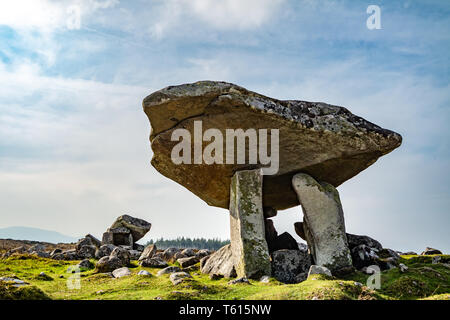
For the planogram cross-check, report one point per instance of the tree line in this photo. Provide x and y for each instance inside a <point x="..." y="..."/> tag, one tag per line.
<point x="196" y="243"/>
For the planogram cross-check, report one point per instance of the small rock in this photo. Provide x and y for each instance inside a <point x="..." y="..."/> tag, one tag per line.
<point x="104" y="251"/>
<point x="86" y="263"/>
<point x="121" y="272"/>
<point x="430" y="251"/>
<point x="168" y="270"/>
<point x="315" y="269"/>
<point x="179" y="277"/>
<point x="436" y="259"/>
<point x="187" y="262"/>
<point x="148" y="252"/>
<point x="403" y="267"/>
<point x="153" y="263"/>
<point x="203" y="253"/>
<point x="55" y="251"/>
<point x="264" y="279"/>
<point x="108" y="264"/>
<point x="122" y="254"/>
<point x="242" y="280"/>
<point x="40" y="254"/>
<point x="188" y="252"/>
<point x="44" y="276"/>
<point x="144" y="273"/>
<point x="169" y="253"/>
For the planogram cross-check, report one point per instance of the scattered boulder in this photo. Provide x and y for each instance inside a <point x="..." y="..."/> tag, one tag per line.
<point x="153" y="263"/>
<point x="220" y="262"/>
<point x="55" y="251"/>
<point x="178" y="255"/>
<point x="168" y="270"/>
<point x="104" y="251"/>
<point x="148" y="252"/>
<point x="169" y="253"/>
<point x="287" y="264"/>
<point x="43" y="276"/>
<point x="86" y="263"/>
<point x="315" y="269"/>
<point x="242" y="280"/>
<point x="87" y="251"/>
<point x="364" y="256"/>
<point x="189" y="252"/>
<point x="144" y="273"/>
<point x="356" y="240"/>
<point x="41" y="254"/>
<point x="138" y="227"/>
<point x="430" y="251"/>
<point x="121" y="272"/>
<point x="97" y="243"/>
<point x="187" y="262"/>
<point x="36" y="248"/>
<point x="283" y="241"/>
<point x="178" y="277"/>
<point x="83" y="242"/>
<point x="203" y="253"/>
<point x="108" y="264"/>
<point x="402" y="267"/>
<point x="122" y="254"/>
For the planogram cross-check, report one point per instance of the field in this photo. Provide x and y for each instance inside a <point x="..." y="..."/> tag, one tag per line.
<point x="423" y="280"/>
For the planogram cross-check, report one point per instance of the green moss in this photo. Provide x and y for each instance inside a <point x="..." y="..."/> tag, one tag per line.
<point x="421" y="281"/>
<point x="10" y="292"/>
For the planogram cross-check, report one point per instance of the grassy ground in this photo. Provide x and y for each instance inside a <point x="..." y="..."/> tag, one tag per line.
<point x="423" y="280"/>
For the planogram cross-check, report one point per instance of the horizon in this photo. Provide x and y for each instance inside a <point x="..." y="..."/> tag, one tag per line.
<point x="74" y="140"/>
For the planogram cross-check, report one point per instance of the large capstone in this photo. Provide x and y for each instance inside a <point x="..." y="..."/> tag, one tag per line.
<point x="248" y="243"/>
<point x="323" y="223"/>
<point x="325" y="141"/>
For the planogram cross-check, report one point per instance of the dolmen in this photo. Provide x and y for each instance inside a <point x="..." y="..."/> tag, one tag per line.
<point x="255" y="155"/>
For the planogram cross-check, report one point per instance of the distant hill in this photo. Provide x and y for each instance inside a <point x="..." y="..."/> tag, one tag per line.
<point x="35" y="234"/>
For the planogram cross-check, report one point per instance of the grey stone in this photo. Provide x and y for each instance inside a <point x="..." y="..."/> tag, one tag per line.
<point x="41" y="254"/>
<point x="431" y="251"/>
<point x="144" y="273"/>
<point x="188" y="252"/>
<point x="121" y="272"/>
<point x="436" y="259"/>
<point x="134" y="254"/>
<point x="148" y="252"/>
<point x="83" y="242"/>
<point x="86" y="263"/>
<point x="108" y="264"/>
<point x="264" y="279"/>
<point x="327" y="142"/>
<point x="138" y="227"/>
<point x="55" y="251"/>
<point x="168" y="270"/>
<point x="315" y="269"/>
<point x="364" y="256"/>
<point x="355" y="240"/>
<point x="87" y="251"/>
<point x="283" y="241"/>
<point x="203" y="253"/>
<point x="403" y="267"/>
<point x="169" y="253"/>
<point x="122" y="254"/>
<point x="104" y="251"/>
<point x="242" y="280"/>
<point x="220" y="262"/>
<point x="94" y="240"/>
<point x="287" y="264"/>
<point x="324" y="219"/>
<point x="301" y="277"/>
<point x="36" y="248"/>
<point x="189" y="261"/>
<point x="248" y="243"/>
<point x="178" y="277"/>
<point x="153" y="263"/>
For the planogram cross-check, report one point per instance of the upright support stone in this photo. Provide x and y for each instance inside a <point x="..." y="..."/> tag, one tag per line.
<point x="323" y="224"/>
<point x="248" y="243"/>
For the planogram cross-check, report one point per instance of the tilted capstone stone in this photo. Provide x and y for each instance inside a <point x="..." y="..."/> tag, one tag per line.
<point x="248" y="243"/>
<point x="323" y="222"/>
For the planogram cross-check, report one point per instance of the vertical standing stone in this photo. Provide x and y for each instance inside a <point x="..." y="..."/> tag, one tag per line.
<point x="248" y="243"/>
<point x="323" y="223"/>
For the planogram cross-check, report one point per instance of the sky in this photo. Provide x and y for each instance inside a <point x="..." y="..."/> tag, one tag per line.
<point x="74" y="140"/>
